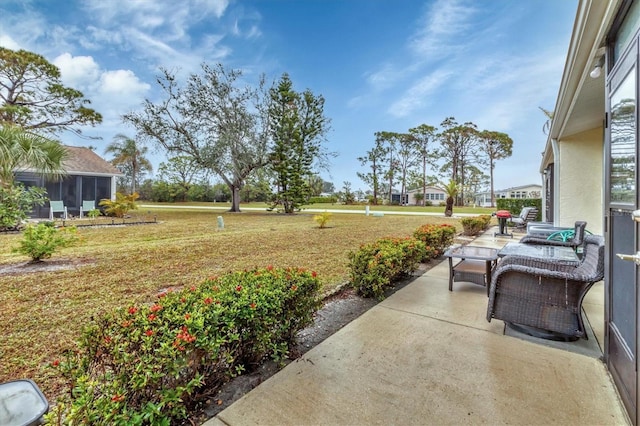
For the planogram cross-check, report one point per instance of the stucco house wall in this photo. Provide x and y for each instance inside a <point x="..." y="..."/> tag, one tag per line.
<point x="579" y="179"/>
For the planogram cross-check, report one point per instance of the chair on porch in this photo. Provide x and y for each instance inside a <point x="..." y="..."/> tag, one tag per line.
<point x="86" y="207"/>
<point x="57" y="207"/>
<point x="527" y="214"/>
<point x="573" y="238"/>
<point x="543" y="294"/>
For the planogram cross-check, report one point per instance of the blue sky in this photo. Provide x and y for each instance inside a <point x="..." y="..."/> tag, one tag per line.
<point x="382" y="65"/>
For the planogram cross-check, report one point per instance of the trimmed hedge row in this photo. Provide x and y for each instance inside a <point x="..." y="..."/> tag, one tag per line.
<point x="150" y="364"/>
<point x="378" y="265"/>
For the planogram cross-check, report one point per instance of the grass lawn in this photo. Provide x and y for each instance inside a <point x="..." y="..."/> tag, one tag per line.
<point x="42" y="313"/>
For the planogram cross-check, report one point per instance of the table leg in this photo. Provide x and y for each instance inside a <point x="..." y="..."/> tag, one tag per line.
<point x="489" y="268"/>
<point x="450" y="274"/>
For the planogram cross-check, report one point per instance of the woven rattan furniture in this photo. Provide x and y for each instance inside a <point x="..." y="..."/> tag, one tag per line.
<point x="545" y="294"/>
<point x="557" y="238"/>
<point x="475" y="265"/>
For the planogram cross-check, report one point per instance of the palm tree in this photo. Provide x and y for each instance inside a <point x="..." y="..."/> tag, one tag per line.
<point x="128" y="157"/>
<point x="452" y="190"/>
<point x="547" y="124"/>
<point x="24" y="150"/>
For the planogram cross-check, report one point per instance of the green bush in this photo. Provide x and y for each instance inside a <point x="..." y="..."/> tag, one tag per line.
<point x="475" y="225"/>
<point x="121" y="205"/>
<point x="322" y="219"/>
<point x="378" y="265"/>
<point x="319" y="200"/>
<point x="515" y="205"/>
<point x="16" y="202"/>
<point x="150" y="364"/>
<point x="42" y="240"/>
<point x="437" y="238"/>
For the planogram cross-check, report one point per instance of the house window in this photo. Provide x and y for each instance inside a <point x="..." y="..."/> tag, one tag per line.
<point x="103" y="188"/>
<point x="623" y="141"/>
<point x="627" y="30"/>
<point x="88" y="188"/>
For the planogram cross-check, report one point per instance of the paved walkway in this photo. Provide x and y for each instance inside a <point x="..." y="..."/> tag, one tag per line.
<point x="372" y="210"/>
<point x="428" y="356"/>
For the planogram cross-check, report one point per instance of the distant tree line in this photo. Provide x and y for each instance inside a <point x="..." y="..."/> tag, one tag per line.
<point x="456" y="154"/>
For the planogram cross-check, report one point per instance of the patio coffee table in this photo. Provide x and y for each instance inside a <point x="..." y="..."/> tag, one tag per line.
<point x="558" y="254"/>
<point x="475" y="265"/>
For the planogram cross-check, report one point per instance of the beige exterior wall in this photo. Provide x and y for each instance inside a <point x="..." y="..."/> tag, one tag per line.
<point x="580" y="177"/>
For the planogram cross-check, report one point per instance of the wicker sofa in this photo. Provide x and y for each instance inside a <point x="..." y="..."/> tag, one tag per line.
<point x="574" y="242"/>
<point x="546" y="295"/>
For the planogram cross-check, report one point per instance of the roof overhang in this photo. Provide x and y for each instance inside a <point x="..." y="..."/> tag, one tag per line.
<point x="580" y="105"/>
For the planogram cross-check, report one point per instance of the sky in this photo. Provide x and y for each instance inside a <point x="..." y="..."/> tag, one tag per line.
<point x="381" y="65"/>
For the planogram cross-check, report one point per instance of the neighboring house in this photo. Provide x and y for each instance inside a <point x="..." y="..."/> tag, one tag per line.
<point x="433" y="195"/>
<point x="590" y="167"/>
<point x="89" y="177"/>
<point x="483" y="199"/>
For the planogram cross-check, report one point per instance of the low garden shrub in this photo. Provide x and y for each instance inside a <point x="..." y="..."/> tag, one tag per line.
<point x="151" y="364"/>
<point x="320" y="200"/>
<point x="16" y="202"/>
<point x="437" y="238"/>
<point x="42" y="240"/>
<point x="475" y="225"/>
<point x="121" y="205"/>
<point x="378" y="265"/>
<point x="322" y="219"/>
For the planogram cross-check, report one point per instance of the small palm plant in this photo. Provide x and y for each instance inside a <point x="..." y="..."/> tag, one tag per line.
<point x="452" y="190"/>
<point x="121" y="205"/>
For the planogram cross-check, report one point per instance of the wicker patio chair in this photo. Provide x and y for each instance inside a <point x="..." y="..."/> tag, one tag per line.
<point x="546" y="295"/>
<point x="558" y="238"/>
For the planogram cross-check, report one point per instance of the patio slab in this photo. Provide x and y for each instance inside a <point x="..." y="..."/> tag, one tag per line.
<point x="428" y="356"/>
<point x="392" y="367"/>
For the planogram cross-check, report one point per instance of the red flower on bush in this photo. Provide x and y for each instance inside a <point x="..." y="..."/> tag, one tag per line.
<point x="55" y="363"/>
<point x="107" y="339"/>
<point x="294" y="287"/>
<point x="239" y="288"/>
<point x="117" y="398"/>
<point x="187" y="316"/>
<point x="270" y="268"/>
<point x="152" y="317"/>
<point x="133" y="310"/>
<point x="208" y="301"/>
<point x="252" y="305"/>
<point x="192" y="288"/>
<point x="149" y="333"/>
<point x="314" y="274"/>
<point x="155" y="308"/>
<point x="182" y="300"/>
<point x="126" y="324"/>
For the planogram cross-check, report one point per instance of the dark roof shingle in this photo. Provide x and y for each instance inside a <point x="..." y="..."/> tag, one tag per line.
<point x="84" y="161"/>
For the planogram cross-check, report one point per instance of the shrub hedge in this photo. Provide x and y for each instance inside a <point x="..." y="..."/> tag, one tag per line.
<point x="437" y="238"/>
<point x="475" y="225"/>
<point x="376" y="266"/>
<point x="150" y="364"/>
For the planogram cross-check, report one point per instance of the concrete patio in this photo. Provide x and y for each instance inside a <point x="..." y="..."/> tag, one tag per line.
<point x="428" y="356"/>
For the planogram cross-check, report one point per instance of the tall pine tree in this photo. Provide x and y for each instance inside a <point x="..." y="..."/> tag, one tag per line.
<point x="298" y="126"/>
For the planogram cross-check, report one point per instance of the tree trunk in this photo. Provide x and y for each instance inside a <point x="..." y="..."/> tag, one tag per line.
<point x="235" y="199"/>
<point x="492" y="195"/>
<point x="448" y="210"/>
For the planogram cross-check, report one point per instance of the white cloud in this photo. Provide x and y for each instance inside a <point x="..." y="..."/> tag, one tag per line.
<point x="418" y="94"/>
<point x="441" y="27"/>
<point x="80" y="72"/>
<point x="122" y="83"/>
<point x="8" y="42"/>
